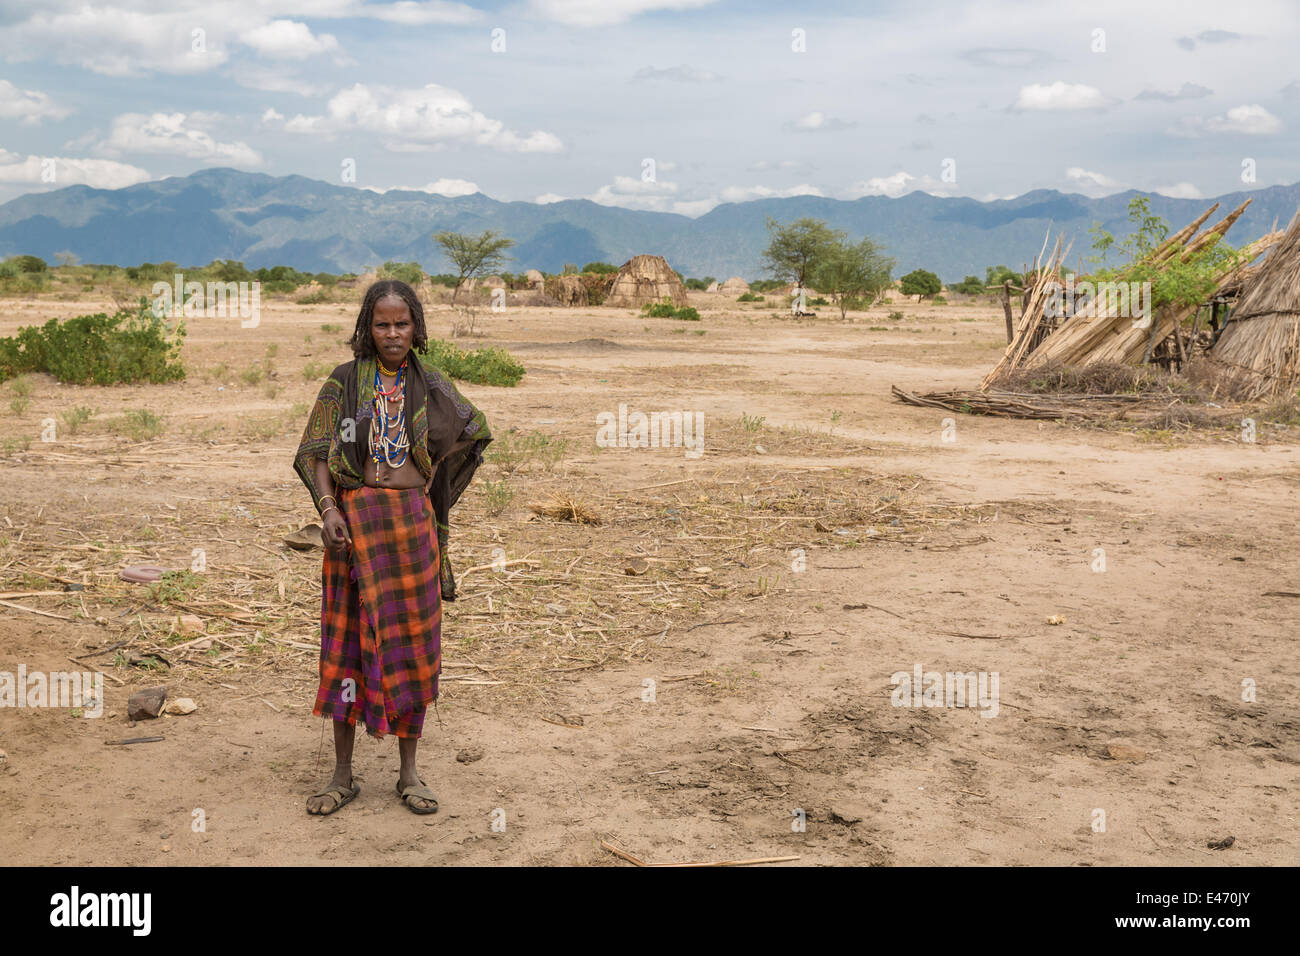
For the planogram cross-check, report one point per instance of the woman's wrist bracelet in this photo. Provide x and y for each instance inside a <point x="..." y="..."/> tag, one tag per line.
<point x="330" y="508"/>
<point x="329" y="498"/>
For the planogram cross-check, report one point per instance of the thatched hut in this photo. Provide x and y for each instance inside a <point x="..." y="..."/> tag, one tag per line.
<point x="567" y="290"/>
<point x="492" y="282"/>
<point x="645" y="280"/>
<point x="535" y="279"/>
<point x="713" y="286"/>
<point x="1260" y="344"/>
<point x="734" y="286"/>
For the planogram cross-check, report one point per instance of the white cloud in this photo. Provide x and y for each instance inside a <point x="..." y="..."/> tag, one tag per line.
<point x="68" y="171"/>
<point x="288" y="40"/>
<point x="1059" y="96"/>
<point x="30" y="106"/>
<point x="547" y="198"/>
<point x="418" y="118"/>
<point x="682" y="74"/>
<point x="441" y="187"/>
<point x="1179" y="191"/>
<point x="1188" y="91"/>
<point x="1249" y="120"/>
<point x="816" y="121"/>
<point x="272" y="115"/>
<point x="174" y="134"/>
<point x="746" y="193"/>
<point x="111" y="40"/>
<point x="630" y="192"/>
<point x="410" y="13"/>
<point x="136" y="37"/>
<point x="272" y="80"/>
<point x="1252" y="119"/>
<point x="1090" y="183"/>
<point x="599" y="13"/>
<point x="899" y="184"/>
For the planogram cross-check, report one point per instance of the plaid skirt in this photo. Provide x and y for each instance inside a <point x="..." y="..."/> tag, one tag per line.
<point x="381" y="613"/>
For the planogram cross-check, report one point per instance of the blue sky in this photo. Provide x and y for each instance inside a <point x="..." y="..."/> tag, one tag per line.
<point x="674" y="105"/>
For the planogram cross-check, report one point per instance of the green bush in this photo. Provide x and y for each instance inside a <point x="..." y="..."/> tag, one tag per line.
<point x="314" y="298"/>
<point x="484" y="366"/>
<point x="749" y="297"/>
<point x="940" y="300"/>
<point x="666" y="310"/>
<point x="29" y="264"/>
<point x="603" y="268"/>
<point x="971" y="285"/>
<point x="412" y="273"/>
<point x="98" y="349"/>
<point x="896" y="316"/>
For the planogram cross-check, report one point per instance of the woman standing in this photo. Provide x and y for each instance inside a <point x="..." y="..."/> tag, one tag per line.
<point x="388" y="449"/>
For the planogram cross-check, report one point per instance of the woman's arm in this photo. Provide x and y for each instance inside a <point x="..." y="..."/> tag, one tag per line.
<point x="334" y="528"/>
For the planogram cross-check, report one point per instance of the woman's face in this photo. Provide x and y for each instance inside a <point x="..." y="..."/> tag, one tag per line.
<point x="392" y="330"/>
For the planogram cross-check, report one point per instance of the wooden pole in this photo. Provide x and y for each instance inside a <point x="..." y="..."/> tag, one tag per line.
<point x="1006" y="309"/>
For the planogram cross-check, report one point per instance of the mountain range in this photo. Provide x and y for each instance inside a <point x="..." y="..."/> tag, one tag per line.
<point x="316" y="226"/>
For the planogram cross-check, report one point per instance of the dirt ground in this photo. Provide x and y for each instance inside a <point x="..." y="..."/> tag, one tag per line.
<point x="788" y="572"/>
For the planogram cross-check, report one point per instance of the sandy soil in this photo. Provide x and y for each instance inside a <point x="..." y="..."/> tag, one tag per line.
<point x="772" y="699"/>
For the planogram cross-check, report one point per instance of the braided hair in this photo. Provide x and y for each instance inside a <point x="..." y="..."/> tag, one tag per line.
<point x="362" y="341"/>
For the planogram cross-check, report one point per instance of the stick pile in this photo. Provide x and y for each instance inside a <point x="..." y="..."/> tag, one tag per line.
<point x="1109" y="333"/>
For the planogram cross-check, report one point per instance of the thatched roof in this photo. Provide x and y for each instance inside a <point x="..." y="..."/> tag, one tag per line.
<point x="567" y="290"/>
<point x="1261" y="342"/>
<point x="645" y="280"/>
<point x="734" y="286"/>
<point x="535" y="277"/>
<point x="713" y="286"/>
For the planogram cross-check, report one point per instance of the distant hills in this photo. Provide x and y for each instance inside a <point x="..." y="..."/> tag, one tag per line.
<point x="317" y="226"/>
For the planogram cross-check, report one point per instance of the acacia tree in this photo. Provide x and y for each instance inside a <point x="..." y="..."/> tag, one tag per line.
<point x="798" y="248"/>
<point x="852" y="270"/>
<point x="473" y="255"/>
<point x="921" y="283"/>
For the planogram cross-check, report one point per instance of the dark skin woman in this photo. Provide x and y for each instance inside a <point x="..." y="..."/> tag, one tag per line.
<point x="393" y="333"/>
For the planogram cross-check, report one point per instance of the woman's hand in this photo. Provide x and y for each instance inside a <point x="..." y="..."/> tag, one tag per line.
<point x="334" y="530"/>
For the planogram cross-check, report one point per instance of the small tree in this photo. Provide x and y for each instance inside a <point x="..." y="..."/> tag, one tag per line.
<point x="601" y="268"/>
<point x="920" y="283"/>
<point x="473" y="255"/>
<point x="997" y="275"/>
<point x="852" y="270"/>
<point x="971" y="285"/>
<point x="797" y="249"/>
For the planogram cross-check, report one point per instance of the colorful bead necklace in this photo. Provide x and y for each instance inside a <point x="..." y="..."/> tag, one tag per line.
<point x="384" y="447"/>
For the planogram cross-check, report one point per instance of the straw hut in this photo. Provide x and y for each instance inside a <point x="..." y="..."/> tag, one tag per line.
<point x="567" y="290"/>
<point x="492" y="282"/>
<point x="1260" y="344"/>
<point x="713" y="286"/>
<point x="645" y="280"/>
<point x="535" y="279"/>
<point x="734" y="286"/>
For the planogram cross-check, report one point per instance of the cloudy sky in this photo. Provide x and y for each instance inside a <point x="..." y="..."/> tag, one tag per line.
<point x="674" y="105"/>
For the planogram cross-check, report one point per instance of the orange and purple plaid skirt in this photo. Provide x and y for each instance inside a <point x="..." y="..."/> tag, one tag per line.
<point x="381" y="613"/>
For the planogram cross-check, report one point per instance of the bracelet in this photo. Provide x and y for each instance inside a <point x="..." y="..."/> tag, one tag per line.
<point x="330" y="497"/>
<point x="330" y="508"/>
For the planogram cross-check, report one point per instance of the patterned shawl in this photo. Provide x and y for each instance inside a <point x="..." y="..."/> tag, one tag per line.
<point x="446" y="431"/>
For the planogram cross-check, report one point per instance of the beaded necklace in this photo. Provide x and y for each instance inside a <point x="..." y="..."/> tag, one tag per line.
<point x="384" y="446"/>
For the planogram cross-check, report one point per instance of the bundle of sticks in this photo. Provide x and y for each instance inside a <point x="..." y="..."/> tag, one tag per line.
<point x="1108" y="331"/>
